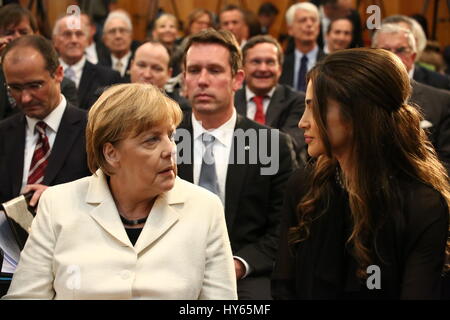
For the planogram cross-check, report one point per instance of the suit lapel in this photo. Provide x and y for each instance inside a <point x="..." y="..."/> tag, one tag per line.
<point x="276" y="107"/>
<point x="85" y="82"/>
<point x="162" y="217"/>
<point x="236" y="174"/>
<point x="105" y="211"/>
<point x="186" y="167"/>
<point x="240" y="102"/>
<point x="15" y="149"/>
<point x="67" y="133"/>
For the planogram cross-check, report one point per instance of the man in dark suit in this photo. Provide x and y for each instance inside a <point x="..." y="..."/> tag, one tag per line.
<point x="250" y="187"/>
<point x="15" y="22"/>
<point x="262" y="99"/>
<point x="44" y="144"/>
<point x="70" y="42"/>
<point x="117" y="38"/>
<point x="303" y="25"/>
<point x="419" y="73"/>
<point x="434" y="103"/>
<point x="33" y="76"/>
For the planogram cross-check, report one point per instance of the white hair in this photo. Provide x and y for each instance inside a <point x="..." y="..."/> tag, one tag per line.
<point x="392" y="28"/>
<point x="118" y="14"/>
<point x="307" y="6"/>
<point x="415" y="28"/>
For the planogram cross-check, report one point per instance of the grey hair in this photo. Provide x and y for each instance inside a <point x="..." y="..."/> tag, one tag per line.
<point x="118" y="14"/>
<point x="414" y="27"/>
<point x="392" y="28"/>
<point x="290" y="13"/>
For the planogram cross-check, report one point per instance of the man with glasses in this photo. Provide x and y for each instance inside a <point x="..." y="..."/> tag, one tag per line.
<point x="117" y="37"/>
<point x="70" y="41"/>
<point x="16" y="22"/>
<point x="43" y="145"/>
<point x="434" y="103"/>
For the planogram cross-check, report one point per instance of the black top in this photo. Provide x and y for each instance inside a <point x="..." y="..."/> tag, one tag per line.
<point x="411" y="245"/>
<point x="133" y="234"/>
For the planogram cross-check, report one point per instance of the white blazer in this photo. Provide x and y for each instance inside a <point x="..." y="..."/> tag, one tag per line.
<point x="78" y="247"/>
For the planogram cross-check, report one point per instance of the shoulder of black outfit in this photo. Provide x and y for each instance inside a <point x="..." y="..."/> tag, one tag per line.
<point x="431" y="78"/>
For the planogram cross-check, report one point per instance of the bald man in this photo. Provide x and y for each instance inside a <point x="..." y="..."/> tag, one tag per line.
<point x="151" y="64"/>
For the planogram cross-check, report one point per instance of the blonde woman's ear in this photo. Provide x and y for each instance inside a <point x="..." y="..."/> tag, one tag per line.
<point x="111" y="154"/>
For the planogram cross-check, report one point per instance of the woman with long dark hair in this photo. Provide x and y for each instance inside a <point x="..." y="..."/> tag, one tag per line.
<point x="369" y="217"/>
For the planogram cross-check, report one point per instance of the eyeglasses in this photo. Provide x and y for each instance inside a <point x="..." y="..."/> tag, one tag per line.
<point x="399" y="51"/>
<point x="119" y="30"/>
<point x="32" y="87"/>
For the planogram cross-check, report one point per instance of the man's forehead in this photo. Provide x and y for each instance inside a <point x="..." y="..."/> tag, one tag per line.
<point x="115" y="22"/>
<point x="21" y="53"/>
<point x="206" y="49"/>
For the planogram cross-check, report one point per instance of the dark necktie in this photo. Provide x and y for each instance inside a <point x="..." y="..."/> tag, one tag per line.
<point x="301" y="81"/>
<point x="259" y="115"/>
<point x="208" y="175"/>
<point x="41" y="152"/>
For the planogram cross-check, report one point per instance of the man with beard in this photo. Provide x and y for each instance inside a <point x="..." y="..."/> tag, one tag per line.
<point x="262" y="99"/>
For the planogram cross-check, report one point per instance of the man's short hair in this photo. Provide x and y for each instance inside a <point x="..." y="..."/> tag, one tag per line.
<point x="267" y="9"/>
<point x="118" y="14"/>
<point x="222" y="37"/>
<point x="307" y="6"/>
<point x="391" y="28"/>
<point x="263" y="39"/>
<point x="414" y="26"/>
<point x="41" y="45"/>
<point x="232" y="7"/>
<point x="12" y="14"/>
<point x="330" y="25"/>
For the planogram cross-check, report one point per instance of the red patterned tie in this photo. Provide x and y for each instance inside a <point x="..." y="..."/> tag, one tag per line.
<point x="259" y="115"/>
<point x="41" y="152"/>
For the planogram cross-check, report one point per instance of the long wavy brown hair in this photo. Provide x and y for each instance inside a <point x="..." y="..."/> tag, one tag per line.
<point x="372" y="88"/>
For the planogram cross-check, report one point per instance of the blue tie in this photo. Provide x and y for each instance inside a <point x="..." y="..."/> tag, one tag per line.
<point x="208" y="175"/>
<point x="301" y="81"/>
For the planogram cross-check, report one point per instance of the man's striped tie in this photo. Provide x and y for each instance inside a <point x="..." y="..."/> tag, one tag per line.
<point x="41" y="152"/>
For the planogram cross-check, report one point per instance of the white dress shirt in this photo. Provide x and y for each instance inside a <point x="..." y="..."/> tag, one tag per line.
<point x="123" y="60"/>
<point x="91" y="53"/>
<point x="53" y="120"/>
<point x="221" y="149"/>
<point x="77" y="68"/>
<point x="251" y="105"/>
